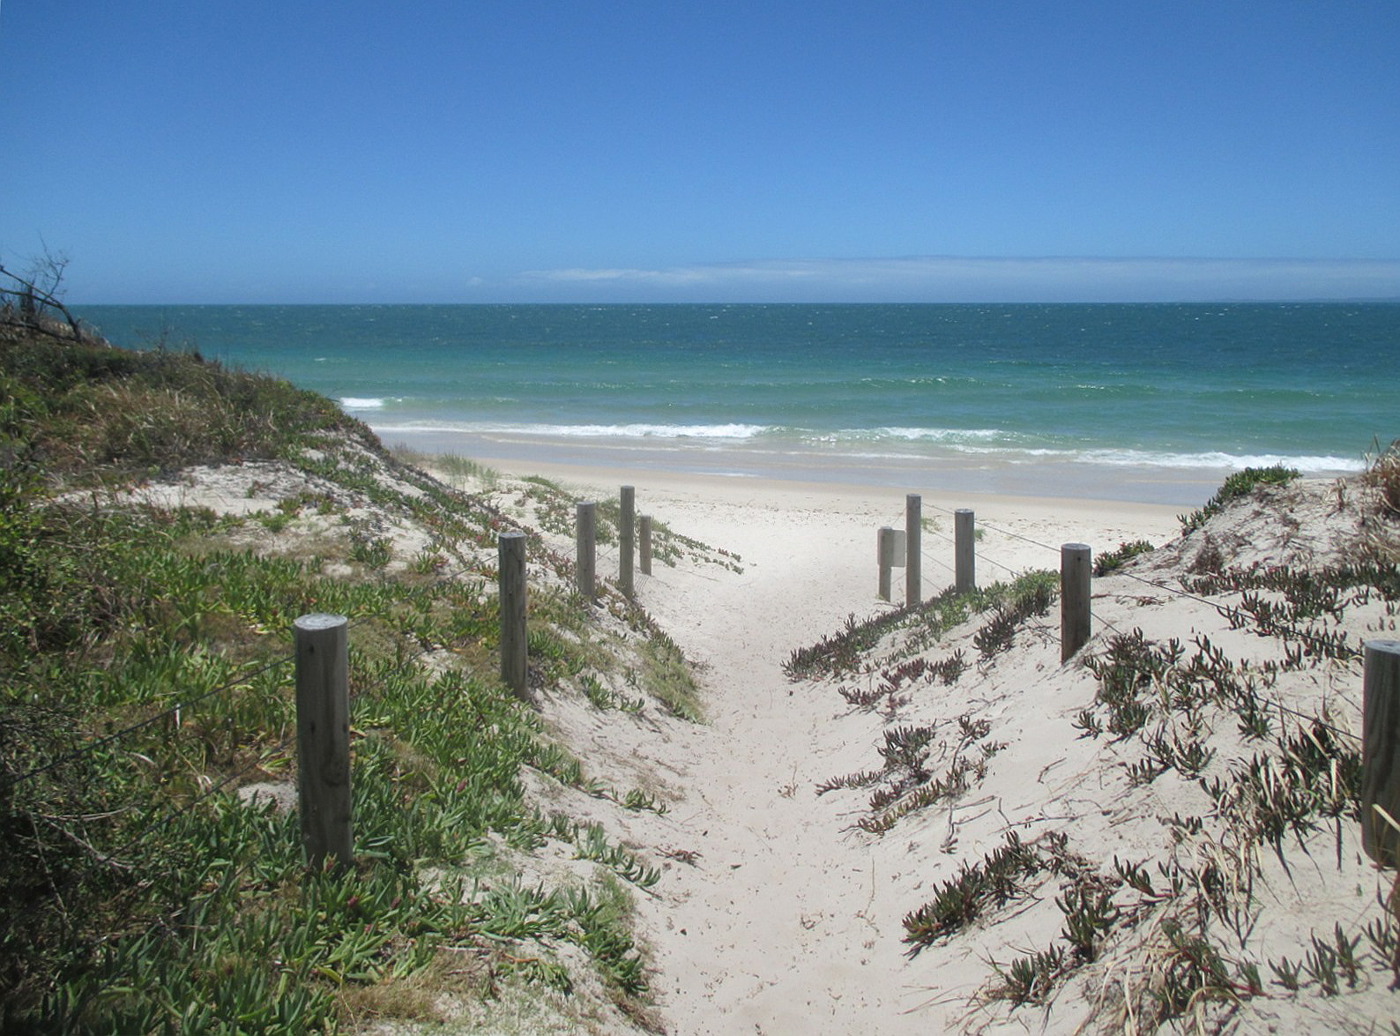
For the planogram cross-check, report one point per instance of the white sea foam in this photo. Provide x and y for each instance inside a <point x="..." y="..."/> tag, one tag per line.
<point x="732" y="432"/>
<point x="355" y="403"/>
<point x="1209" y="460"/>
<point x="941" y="435"/>
<point x="892" y="443"/>
<point x="1142" y="458"/>
<point x="657" y="431"/>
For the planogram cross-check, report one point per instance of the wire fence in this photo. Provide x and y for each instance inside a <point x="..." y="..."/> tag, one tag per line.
<point x="1234" y="615"/>
<point x="610" y="554"/>
<point x="406" y="664"/>
<point x="240" y="679"/>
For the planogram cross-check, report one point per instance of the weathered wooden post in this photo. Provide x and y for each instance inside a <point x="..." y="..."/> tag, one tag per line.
<point x="323" y="738"/>
<point x="890" y="548"/>
<point x="913" y="545"/>
<point x="626" y="539"/>
<point x="514" y="648"/>
<point x="586" y="533"/>
<point x="1075" y="573"/>
<point x="1380" y="753"/>
<point x="644" y="546"/>
<point x="964" y="552"/>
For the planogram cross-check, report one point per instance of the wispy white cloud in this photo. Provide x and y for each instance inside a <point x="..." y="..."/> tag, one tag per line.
<point x="955" y="279"/>
<point x="679" y="276"/>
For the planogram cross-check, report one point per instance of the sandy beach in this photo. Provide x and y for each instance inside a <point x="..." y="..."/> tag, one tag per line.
<point x="966" y="474"/>
<point x="776" y="913"/>
<point x="823" y="533"/>
<point x="790" y="922"/>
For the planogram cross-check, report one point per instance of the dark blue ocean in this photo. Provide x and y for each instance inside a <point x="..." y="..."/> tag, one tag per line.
<point x="1152" y="402"/>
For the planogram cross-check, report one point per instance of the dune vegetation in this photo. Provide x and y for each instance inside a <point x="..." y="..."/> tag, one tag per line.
<point x="1211" y="878"/>
<point x="153" y="878"/>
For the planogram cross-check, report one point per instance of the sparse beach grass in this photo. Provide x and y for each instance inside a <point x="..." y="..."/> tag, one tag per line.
<point x="1261" y="776"/>
<point x="1238" y="485"/>
<point x="454" y="469"/>
<point x="1384" y="473"/>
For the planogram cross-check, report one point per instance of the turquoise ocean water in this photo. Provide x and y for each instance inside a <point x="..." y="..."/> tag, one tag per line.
<point x="1146" y="402"/>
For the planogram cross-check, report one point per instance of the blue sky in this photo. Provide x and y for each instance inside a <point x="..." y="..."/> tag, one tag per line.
<point x="470" y="150"/>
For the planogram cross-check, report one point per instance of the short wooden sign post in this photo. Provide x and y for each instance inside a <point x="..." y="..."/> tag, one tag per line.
<point x="323" y="738"/>
<point x="586" y="553"/>
<point x="890" y="549"/>
<point x="1380" y="753"/>
<point x="1076" y="570"/>
<point x="514" y="648"/>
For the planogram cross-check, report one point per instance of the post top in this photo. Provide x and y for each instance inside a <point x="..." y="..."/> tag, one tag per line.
<point x="514" y="534"/>
<point x="319" y="621"/>
<point x="1389" y="647"/>
<point x="1074" y="546"/>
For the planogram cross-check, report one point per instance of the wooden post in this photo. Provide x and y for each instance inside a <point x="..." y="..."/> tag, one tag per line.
<point x="514" y="649"/>
<point x="626" y="539"/>
<point x="586" y="531"/>
<point x="885" y="548"/>
<point x="1075" y="573"/>
<point x="1380" y="753"/>
<point x="644" y="547"/>
<point x="913" y="559"/>
<point x="323" y="738"/>
<point x="964" y="552"/>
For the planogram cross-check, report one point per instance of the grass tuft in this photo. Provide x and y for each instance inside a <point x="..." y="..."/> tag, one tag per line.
<point x="1238" y="485"/>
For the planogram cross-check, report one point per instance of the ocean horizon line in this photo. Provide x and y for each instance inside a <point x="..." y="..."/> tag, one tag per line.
<point x="562" y="303"/>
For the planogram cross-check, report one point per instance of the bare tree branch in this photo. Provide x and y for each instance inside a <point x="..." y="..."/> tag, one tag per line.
<point x="24" y="299"/>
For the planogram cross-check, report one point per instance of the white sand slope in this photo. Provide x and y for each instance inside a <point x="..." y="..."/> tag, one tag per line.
<point x="787" y="918"/>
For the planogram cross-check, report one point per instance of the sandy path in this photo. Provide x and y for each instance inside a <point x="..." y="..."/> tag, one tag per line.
<point x="762" y="932"/>
<point x="790" y="921"/>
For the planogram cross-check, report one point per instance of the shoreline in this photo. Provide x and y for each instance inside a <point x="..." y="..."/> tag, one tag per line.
<point x="970" y="476"/>
<point x="763" y="518"/>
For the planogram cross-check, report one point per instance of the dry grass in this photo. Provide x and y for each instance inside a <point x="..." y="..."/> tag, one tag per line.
<point x="1384" y="474"/>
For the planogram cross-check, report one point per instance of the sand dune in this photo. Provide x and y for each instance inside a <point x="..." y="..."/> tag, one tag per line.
<point x="1201" y="824"/>
<point x="778" y="914"/>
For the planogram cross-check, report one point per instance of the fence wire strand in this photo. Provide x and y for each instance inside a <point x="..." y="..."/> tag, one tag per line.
<point x="937" y="561"/>
<point x="168" y="711"/>
<point x="454" y="576"/>
<point x="114" y="858"/>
